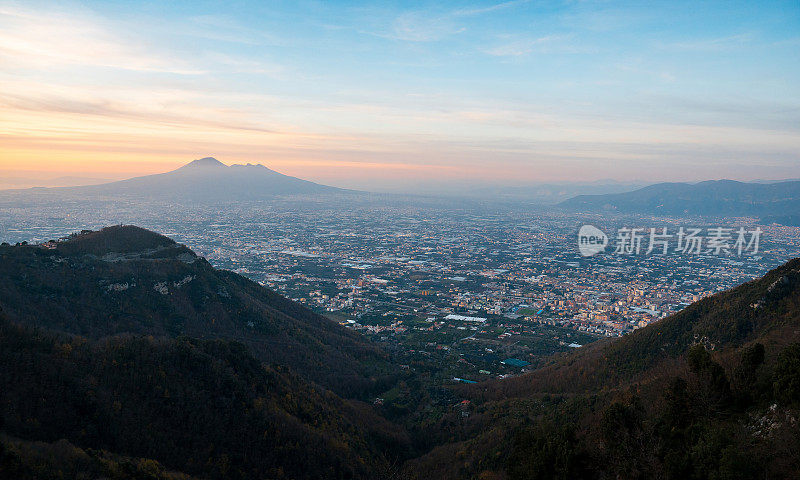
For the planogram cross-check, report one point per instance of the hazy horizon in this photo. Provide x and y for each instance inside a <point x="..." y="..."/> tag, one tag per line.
<point x="378" y="97"/>
<point x="23" y="179"/>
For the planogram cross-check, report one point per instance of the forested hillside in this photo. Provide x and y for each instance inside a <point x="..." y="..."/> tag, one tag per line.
<point x="712" y="392"/>
<point x="124" y="355"/>
<point x="204" y="407"/>
<point x="126" y="279"/>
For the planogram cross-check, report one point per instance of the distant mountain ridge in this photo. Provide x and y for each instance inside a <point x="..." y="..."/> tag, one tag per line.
<point x="208" y="180"/>
<point x="713" y="197"/>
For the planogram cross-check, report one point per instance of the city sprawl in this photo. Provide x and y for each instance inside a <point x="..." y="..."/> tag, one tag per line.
<point x="481" y="291"/>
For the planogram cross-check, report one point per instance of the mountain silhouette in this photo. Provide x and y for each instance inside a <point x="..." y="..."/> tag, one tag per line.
<point x="713" y="197"/>
<point x="209" y="180"/>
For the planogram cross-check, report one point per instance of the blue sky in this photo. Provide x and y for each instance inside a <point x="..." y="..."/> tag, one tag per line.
<point x="356" y="93"/>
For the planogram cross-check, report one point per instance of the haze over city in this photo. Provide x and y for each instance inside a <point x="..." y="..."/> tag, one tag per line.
<point x="399" y="96"/>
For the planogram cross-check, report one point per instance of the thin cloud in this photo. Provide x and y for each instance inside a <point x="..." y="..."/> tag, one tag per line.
<point x="522" y="47"/>
<point x="489" y="9"/>
<point x="60" y="38"/>
<point x="429" y="25"/>
<point x="712" y="44"/>
<point x="421" y="27"/>
<point x="110" y="109"/>
<point x="225" y="29"/>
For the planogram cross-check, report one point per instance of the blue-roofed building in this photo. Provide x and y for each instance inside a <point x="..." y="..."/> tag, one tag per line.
<point x="515" y="362"/>
<point x="463" y="380"/>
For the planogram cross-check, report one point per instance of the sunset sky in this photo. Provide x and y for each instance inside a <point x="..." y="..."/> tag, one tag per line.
<point x="360" y="94"/>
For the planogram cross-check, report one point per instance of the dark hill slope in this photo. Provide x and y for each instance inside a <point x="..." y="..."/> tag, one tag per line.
<point x="711" y="392"/>
<point x="204" y="407"/>
<point x="126" y="279"/>
<point x="32" y="460"/>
